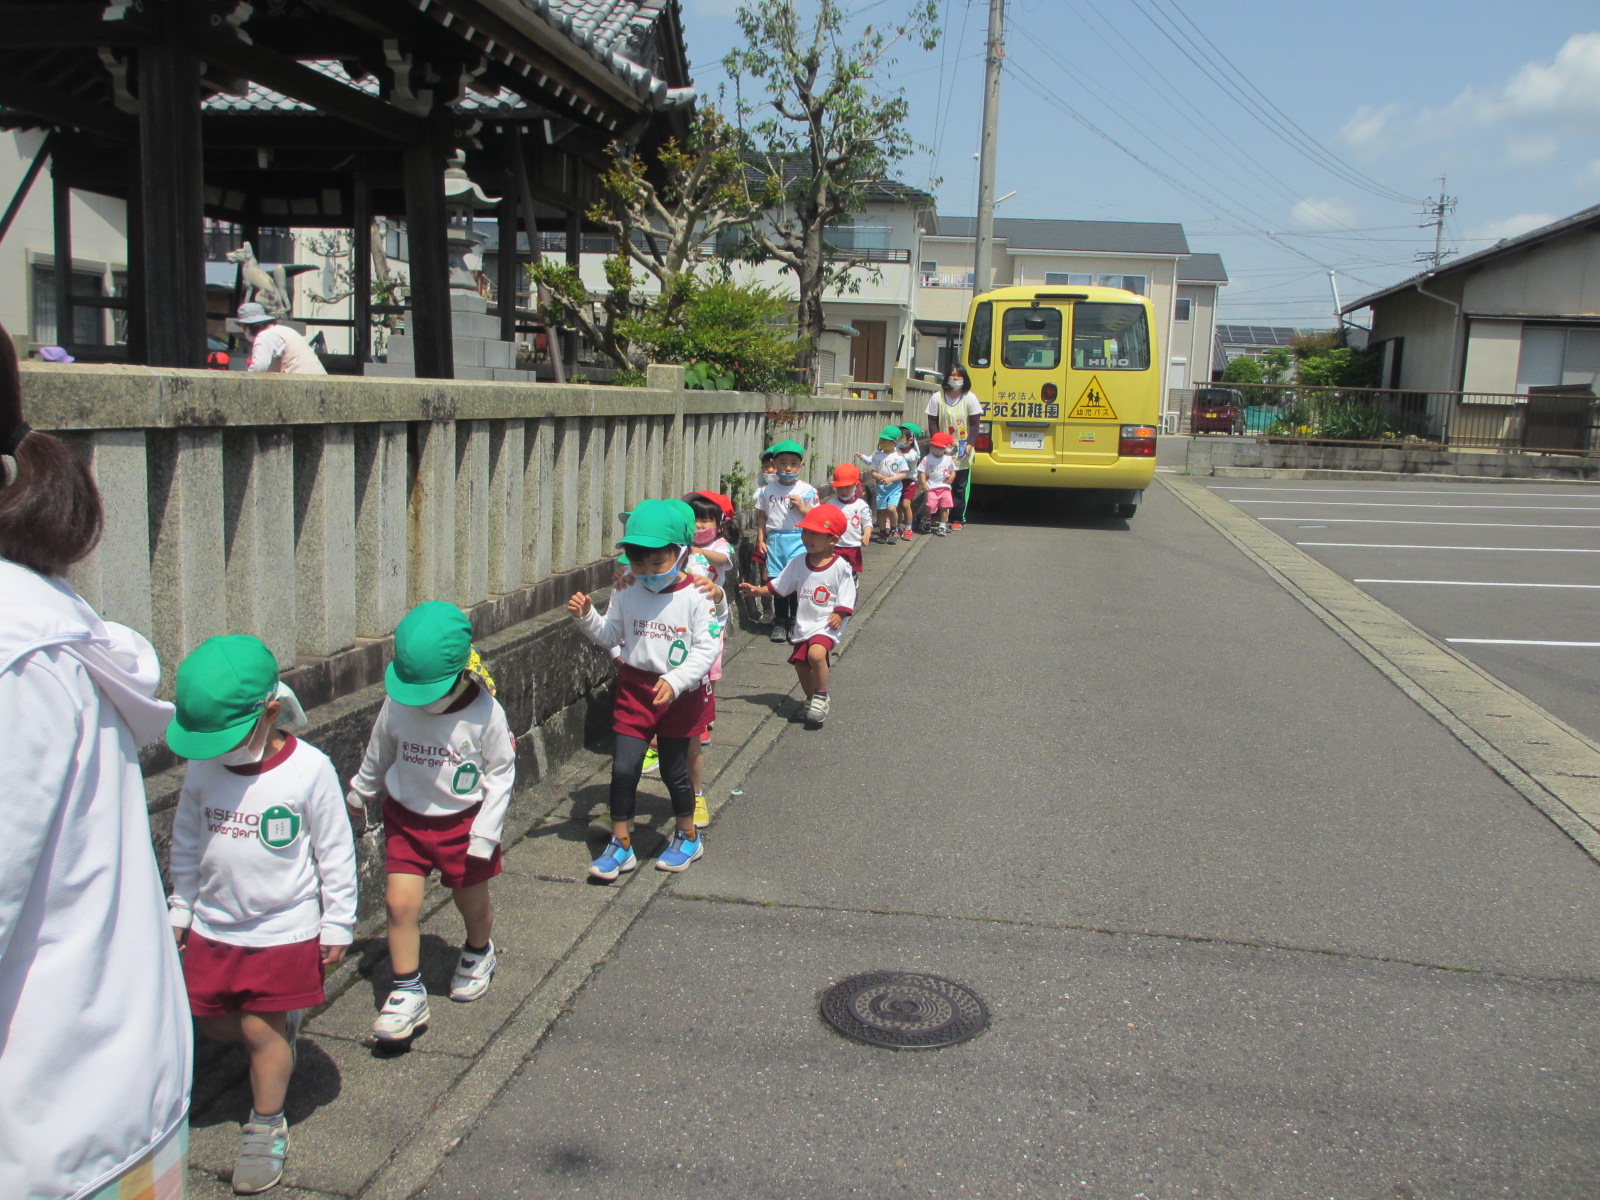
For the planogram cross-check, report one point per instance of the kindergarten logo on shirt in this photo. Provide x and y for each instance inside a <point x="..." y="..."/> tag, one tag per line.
<point x="820" y="594"/>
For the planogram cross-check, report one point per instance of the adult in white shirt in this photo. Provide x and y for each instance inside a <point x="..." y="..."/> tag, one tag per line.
<point x="276" y="348"/>
<point x="956" y="411"/>
<point x="96" y="1050"/>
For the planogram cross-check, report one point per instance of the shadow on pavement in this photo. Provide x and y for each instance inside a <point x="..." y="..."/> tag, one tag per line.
<point x="1038" y="507"/>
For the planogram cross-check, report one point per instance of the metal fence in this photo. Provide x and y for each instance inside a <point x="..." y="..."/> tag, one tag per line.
<point x="1546" y="420"/>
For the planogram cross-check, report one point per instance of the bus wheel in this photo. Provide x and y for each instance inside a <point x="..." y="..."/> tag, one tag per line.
<point x="1126" y="511"/>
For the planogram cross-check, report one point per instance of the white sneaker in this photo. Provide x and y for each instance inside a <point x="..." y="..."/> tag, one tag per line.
<point x="402" y="1016"/>
<point x="472" y="976"/>
<point x="817" y="710"/>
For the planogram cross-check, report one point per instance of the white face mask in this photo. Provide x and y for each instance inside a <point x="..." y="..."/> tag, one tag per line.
<point x="449" y="698"/>
<point x="247" y="753"/>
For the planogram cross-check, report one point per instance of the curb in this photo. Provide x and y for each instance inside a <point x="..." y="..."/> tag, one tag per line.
<point x="1383" y="476"/>
<point x="418" y="1160"/>
<point x="1554" y="766"/>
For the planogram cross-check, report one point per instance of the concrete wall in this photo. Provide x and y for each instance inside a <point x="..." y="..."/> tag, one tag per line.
<point x="314" y="512"/>
<point x="1219" y="455"/>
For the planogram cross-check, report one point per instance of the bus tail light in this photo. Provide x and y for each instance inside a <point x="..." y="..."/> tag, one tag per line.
<point x="1048" y="393"/>
<point x="983" y="443"/>
<point x="1137" y="441"/>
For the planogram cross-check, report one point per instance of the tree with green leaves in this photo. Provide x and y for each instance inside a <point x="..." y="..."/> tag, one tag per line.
<point x="821" y="132"/>
<point x="1243" y="369"/>
<point x="658" y="215"/>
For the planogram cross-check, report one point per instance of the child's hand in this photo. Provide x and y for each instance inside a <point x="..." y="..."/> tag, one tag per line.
<point x="181" y="936"/>
<point x="579" y="605"/>
<point x="752" y="589"/>
<point x="835" y="622"/>
<point x="332" y="956"/>
<point x="706" y="588"/>
<point x="620" y="579"/>
<point x="664" y="693"/>
<point x="358" y="815"/>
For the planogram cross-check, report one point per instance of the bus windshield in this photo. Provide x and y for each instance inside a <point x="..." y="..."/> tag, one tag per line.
<point x="1110" y="337"/>
<point x="1030" y="338"/>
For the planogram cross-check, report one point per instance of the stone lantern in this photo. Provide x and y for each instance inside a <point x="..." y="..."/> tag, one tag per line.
<point x="464" y="200"/>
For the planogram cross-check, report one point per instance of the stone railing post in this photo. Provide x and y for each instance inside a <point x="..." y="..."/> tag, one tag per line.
<point x="187" y="562"/>
<point x="115" y="578"/>
<point x="258" y="474"/>
<point x="539" y="488"/>
<point x="325" y="538"/>
<point x="507" y="475"/>
<point x="564" y="485"/>
<point x="472" y="513"/>
<point x="432" y="515"/>
<point x="380" y="561"/>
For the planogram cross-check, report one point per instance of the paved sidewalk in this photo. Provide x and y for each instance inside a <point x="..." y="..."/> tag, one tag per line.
<point x="370" y="1124"/>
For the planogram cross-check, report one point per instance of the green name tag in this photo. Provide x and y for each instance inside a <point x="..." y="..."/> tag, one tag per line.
<point x="279" y="827"/>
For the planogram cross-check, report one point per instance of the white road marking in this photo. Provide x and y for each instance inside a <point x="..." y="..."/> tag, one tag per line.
<point x="1506" y="549"/>
<point x="1386" y="504"/>
<point x="1349" y="491"/>
<point x="1435" y="524"/>
<point x="1519" y="642"/>
<point x="1593" y="587"/>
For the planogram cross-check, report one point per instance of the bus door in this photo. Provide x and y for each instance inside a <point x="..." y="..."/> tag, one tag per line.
<point x="1024" y="409"/>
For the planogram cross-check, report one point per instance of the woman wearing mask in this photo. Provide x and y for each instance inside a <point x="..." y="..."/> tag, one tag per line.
<point x="956" y="411"/>
<point x="96" y="1055"/>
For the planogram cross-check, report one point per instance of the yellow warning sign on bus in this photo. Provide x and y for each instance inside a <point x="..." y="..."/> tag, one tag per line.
<point x="1093" y="405"/>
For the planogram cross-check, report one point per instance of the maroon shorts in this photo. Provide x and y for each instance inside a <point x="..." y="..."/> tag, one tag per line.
<point x="635" y="712"/>
<point x="802" y="649"/>
<point x="417" y="845"/>
<point x="851" y="555"/>
<point x="224" y="978"/>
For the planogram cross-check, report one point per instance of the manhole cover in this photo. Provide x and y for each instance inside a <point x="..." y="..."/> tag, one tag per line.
<point x="904" y="1010"/>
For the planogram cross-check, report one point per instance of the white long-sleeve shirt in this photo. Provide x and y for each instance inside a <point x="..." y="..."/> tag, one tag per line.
<point x="281" y="350"/>
<point x="95" y="1059"/>
<point x="940" y="469"/>
<point x="822" y="593"/>
<point x="437" y="764"/>
<point x="666" y="633"/>
<point x="263" y="855"/>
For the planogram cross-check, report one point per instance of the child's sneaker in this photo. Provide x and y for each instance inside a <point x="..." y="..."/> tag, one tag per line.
<point x="261" y="1155"/>
<point x="617" y="860"/>
<point x="652" y="760"/>
<point x="940" y="530"/>
<point x="682" y="852"/>
<point x="473" y="974"/>
<point x="705" y="736"/>
<point x="702" y="812"/>
<point x="403" y="1015"/>
<point x="601" y="822"/>
<point x="955" y="525"/>
<point x="906" y="535"/>
<point x="817" y="709"/>
<point x="780" y="632"/>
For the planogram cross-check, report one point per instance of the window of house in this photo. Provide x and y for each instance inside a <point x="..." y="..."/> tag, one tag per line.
<point x="1128" y="283"/>
<point x="396" y="245"/>
<point x="1067" y="279"/>
<point x="88" y="324"/>
<point x="929" y="267"/>
<point x="1554" y="355"/>
<point x="119" y="316"/>
<point x="1110" y="337"/>
<point x="1031" y="338"/>
<point x="859" y="235"/>
<point x="1183" y="309"/>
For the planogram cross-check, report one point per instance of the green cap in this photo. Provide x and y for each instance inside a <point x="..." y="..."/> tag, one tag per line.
<point x="892" y="432"/>
<point x="432" y="644"/>
<point x="222" y="687"/>
<point x="787" y="447"/>
<point x="913" y="427"/>
<point x="656" y="523"/>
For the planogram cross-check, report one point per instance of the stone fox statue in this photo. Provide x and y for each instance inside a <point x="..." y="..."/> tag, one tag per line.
<point x="271" y="291"/>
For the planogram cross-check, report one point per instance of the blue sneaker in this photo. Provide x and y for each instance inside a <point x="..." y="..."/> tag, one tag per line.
<point x="617" y="860"/>
<point x="680" y="853"/>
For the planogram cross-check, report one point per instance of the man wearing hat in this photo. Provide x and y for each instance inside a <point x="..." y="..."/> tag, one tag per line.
<point x="275" y="347"/>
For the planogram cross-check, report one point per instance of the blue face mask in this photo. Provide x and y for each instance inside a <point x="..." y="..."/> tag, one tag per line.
<point x="788" y="476"/>
<point x="661" y="582"/>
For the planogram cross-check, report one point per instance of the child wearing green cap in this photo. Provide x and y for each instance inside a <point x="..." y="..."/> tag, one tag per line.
<point x="890" y="468"/>
<point x="664" y="627"/>
<point x="782" y="502"/>
<point x="263" y="875"/>
<point x="442" y="758"/>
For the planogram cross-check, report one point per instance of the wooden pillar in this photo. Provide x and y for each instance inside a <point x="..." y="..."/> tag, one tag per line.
<point x="510" y="270"/>
<point x="361" y="273"/>
<point x="61" y="200"/>
<point x="136" y="270"/>
<point x="172" y="210"/>
<point x="429" y="323"/>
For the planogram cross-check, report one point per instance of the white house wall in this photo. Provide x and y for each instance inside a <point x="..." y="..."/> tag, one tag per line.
<point x="1493" y="350"/>
<point x="1558" y="278"/>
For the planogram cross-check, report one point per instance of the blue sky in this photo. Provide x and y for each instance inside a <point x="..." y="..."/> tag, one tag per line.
<point x="1503" y="100"/>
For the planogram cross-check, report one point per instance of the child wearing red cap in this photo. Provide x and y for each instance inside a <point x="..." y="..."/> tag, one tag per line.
<point x="857" y="512"/>
<point x="935" y="472"/>
<point x="824" y="585"/>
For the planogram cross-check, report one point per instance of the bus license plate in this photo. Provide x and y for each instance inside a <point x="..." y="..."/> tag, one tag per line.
<point x="1028" y="440"/>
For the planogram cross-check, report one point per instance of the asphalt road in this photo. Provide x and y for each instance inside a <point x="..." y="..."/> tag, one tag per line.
<point x="1508" y="574"/>
<point x="1249" y="923"/>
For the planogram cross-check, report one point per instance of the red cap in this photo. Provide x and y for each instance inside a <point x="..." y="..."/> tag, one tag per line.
<point x="718" y="499"/>
<point x="845" y="474"/>
<point x="941" y="439"/>
<point x="825" y="518"/>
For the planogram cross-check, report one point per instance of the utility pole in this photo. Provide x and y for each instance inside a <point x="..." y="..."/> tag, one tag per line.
<point x="1333" y="282"/>
<point x="1436" y="211"/>
<point x="983" y="255"/>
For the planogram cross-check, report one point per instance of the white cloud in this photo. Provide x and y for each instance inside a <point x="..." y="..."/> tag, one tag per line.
<point x="1589" y="175"/>
<point x="1536" y="104"/>
<point x="1508" y="227"/>
<point x="1311" y="213"/>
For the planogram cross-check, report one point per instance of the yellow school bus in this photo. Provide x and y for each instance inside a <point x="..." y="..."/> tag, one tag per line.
<point x="1070" y="383"/>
